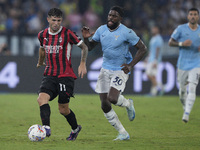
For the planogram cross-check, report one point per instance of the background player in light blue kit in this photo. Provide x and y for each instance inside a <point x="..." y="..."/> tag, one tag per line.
<point x="117" y="63"/>
<point x="153" y="60"/>
<point x="187" y="37"/>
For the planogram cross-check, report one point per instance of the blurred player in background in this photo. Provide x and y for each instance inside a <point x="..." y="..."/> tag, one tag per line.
<point x="56" y="45"/>
<point x="187" y="38"/>
<point x="153" y="60"/>
<point x="117" y="64"/>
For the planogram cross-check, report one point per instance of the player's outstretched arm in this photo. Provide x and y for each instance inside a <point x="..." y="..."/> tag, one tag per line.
<point x="86" y="34"/>
<point x="82" y="70"/>
<point x="174" y="43"/>
<point x="142" y="50"/>
<point x="41" y="57"/>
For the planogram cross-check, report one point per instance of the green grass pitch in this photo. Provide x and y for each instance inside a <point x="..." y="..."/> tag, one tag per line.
<point x="157" y="124"/>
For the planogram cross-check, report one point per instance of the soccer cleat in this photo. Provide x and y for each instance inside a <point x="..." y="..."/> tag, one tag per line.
<point x="131" y="110"/>
<point x="73" y="135"/>
<point x="185" y="118"/>
<point x="122" y="137"/>
<point x="48" y="130"/>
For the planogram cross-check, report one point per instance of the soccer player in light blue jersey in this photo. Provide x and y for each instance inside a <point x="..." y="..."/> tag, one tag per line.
<point x="153" y="60"/>
<point x="117" y="64"/>
<point x="187" y="38"/>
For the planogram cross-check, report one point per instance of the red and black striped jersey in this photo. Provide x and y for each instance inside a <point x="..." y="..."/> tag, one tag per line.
<point x="58" y="48"/>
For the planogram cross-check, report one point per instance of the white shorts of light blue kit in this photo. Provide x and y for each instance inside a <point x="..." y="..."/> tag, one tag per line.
<point x="109" y="78"/>
<point x="150" y="69"/>
<point x="185" y="76"/>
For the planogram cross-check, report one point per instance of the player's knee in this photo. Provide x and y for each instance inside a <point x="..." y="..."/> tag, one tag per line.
<point x="105" y="106"/>
<point x="181" y="93"/>
<point x="41" y="101"/>
<point x="112" y="99"/>
<point x="43" y="98"/>
<point x="64" y="109"/>
<point x="192" y="88"/>
<point x="182" y="90"/>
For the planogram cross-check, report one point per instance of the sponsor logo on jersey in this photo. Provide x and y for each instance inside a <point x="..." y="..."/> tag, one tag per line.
<point x="52" y="49"/>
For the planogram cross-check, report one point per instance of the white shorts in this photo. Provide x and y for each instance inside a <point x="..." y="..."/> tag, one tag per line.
<point x="150" y="69"/>
<point x="109" y="78"/>
<point x="188" y="76"/>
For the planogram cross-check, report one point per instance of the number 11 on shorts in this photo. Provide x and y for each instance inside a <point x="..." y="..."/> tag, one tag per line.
<point x="62" y="87"/>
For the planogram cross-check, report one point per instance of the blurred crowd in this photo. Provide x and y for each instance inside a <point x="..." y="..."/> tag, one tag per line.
<point x="28" y="17"/>
<point x="167" y="14"/>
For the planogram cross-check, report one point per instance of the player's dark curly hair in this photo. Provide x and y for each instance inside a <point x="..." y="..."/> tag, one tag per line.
<point x="118" y="9"/>
<point x="193" y="9"/>
<point x="55" y="12"/>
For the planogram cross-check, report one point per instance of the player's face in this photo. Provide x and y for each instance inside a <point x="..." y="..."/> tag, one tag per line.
<point x="114" y="19"/>
<point x="54" y="23"/>
<point x="193" y="17"/>
<point x="154" y="30"/>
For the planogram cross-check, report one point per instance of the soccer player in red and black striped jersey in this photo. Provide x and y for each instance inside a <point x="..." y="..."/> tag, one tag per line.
<point x="55" y="45"/>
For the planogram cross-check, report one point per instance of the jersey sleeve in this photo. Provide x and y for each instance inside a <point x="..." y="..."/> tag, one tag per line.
<point x="74" y="38"/>
<point x="40" y="38"/>
<point x="96" y="36"/>
<point x="131" y="37"/>
<point x="176" y="34"/>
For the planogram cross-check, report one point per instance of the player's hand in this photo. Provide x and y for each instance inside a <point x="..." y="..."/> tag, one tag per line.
<point x="38" y="64"/>
<point x="86" y="32"/>
<point x="82" y="70"/>
<point x="187" y="43"/>
<point x="126" y="68"/>
<point x="199" y="48"/>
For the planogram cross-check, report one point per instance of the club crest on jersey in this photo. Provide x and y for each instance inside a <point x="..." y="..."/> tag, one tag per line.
<point x="116" y="37"/>
<point x="46" y="39"/>
<point x="60" y="39"/>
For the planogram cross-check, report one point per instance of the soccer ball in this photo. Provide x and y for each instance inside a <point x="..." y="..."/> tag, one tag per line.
<point x="36" y="133"/>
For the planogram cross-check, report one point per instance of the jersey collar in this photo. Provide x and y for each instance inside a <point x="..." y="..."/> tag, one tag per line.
<point x="115" y="28"/>
<point x="192" y="29"/>
<point x="55" y="32"/>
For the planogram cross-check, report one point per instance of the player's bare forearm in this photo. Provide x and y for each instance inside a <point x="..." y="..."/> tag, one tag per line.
<point x="142" y="51"/>
<point x="90" y="44"/>
<point x="87" y="42"/>
<point x="82" y="67"/>
<point x="41" y="57"/>
<point x="84" y="52"/>
<point x="86" y="35"/>
<point x="172" y="42"/>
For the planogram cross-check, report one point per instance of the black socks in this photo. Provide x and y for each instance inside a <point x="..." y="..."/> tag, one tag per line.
<point x="45" y="114"/>
<point x="71" y="118"/>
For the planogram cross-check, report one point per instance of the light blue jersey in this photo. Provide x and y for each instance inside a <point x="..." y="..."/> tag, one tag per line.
<point x="189" y="57"/>
<point x="155" y="42"/>
<point x="115" y="45"/>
